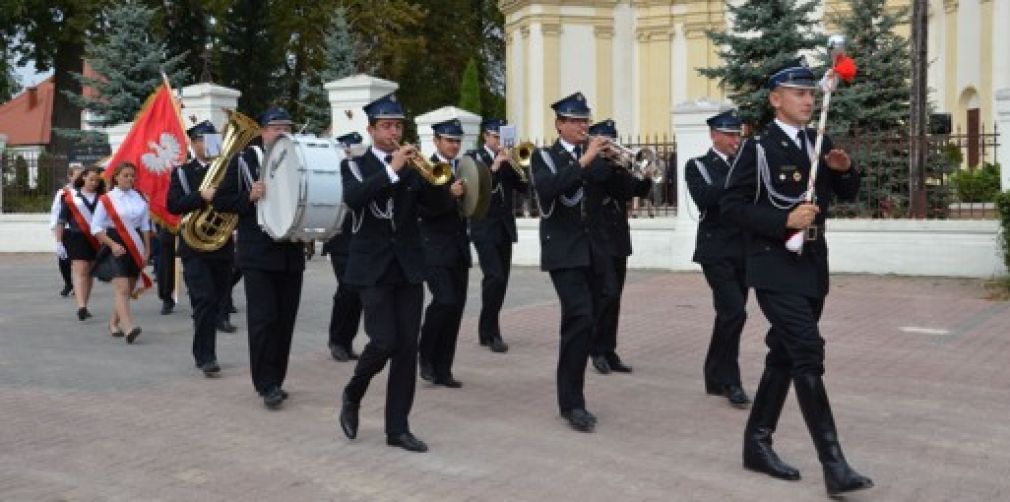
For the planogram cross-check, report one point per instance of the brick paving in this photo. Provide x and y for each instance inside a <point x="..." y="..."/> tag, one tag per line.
<point x="918" y="372"/>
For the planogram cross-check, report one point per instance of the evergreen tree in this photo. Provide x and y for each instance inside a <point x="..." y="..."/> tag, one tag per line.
<point x="129" y="64"/>
<point x="469" y="89"/>
<point x="878" y="100"/>
<point x="10" y="84"/>
<point x="186" y="28"/>
<point x="248" y="57"/>
<point x="765" y="34"/>
<point x="340" y="60"/>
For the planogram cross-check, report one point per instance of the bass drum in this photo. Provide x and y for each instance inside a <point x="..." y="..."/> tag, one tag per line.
<point x="304" y="194"/>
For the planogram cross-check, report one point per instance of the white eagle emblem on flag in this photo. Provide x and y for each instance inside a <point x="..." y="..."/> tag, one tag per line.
<point x="164" y="155"/>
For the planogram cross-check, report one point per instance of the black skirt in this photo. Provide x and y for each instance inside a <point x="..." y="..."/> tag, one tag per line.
<point x="78" y="246"/>
<point x="108" y="266"/>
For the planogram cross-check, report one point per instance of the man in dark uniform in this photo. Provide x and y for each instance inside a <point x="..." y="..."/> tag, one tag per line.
<point x="346" y="313"/>
<point x="207" y="273"/>
<point x="386" y="264"/>
<point x="447" y="265"/>
<point x="562" y="175"/>
<point x="609" y="212"/>
<point x="719" y="250"/>
<point x="272" y="270"/>
<point x="765" y="196"/>
<point x="494" y="234"/>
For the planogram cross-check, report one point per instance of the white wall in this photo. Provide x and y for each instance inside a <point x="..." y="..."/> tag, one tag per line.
<point x="950" y="248"/>
<point x="577" y="64"/>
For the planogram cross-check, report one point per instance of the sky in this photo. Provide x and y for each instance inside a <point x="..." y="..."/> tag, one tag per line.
<point x="29" y="76"/>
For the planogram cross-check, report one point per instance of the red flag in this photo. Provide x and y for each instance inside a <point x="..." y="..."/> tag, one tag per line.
<point x="156" y="144"/>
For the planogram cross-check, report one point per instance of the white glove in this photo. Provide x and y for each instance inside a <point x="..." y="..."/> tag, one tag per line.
<point x="61" y="251"/>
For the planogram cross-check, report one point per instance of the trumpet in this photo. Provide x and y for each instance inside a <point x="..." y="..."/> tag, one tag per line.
<point x="641" y="162"/>
<point x="520" y="157"/>
<point x="438" y="173"/>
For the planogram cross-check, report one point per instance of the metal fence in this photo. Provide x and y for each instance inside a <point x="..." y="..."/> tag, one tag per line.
<point x="29" y="180"/>
<point x="883" y="161"/>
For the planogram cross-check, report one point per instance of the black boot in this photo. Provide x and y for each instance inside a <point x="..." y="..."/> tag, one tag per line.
<point x="813" y="398"/>
<point x="758" y="454"/>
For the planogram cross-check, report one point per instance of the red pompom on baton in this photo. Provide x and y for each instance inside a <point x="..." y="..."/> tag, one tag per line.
<point x="844" y="68"/>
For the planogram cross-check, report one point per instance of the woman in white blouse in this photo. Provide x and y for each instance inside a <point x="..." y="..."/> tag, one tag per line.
<point x="129" y="253"/>
<point x="73" y="233"/>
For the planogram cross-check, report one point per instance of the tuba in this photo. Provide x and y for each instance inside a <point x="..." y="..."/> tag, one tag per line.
<point x="207" y="229"/>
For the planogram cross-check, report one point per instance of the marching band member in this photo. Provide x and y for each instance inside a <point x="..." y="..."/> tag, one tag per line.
<point x="562" y="174"/>
<point x="610" y="212"/>
<point x="207" y="273"/>
<point x="447" y="265"/>
<point x="272" y="270"/>
<point x="62" y="260"/>
<point x="765" y="194"/>
<point x="719" y="251"/>
<point x="122" y="224"/>
<point x="346" y="314"/>
<point x="386" y="264"/>
<point x="494" y="234"/>
<point x="73" y="233"/>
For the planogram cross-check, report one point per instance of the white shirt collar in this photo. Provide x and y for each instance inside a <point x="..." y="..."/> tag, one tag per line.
<point x="568" y="146"/>
<point x="381" y="155"/>
<point x="723" y="156"/>
<point x="490" y="152"/>
<point x="442" y="158"/>
<point x="790" y="130"/>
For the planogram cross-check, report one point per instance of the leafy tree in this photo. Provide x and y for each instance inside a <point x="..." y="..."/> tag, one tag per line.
<point x="765" y="34"/>
<point x="52" y="34"/>
<point x="129" y="64"/>
<point x="10" y="84"/>
<point x="469" y="91"/>
<point x="186" y="27"/>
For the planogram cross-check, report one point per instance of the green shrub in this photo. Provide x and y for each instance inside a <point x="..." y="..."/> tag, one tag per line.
<point x="1003" y="213"/>
<point x="977" y="185"/>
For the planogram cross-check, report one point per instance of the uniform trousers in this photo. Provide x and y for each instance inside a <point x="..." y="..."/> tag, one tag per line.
<point x="207" y="281"/>
<point x="443" y="317"/>
<point x="392" y="311"/>
<point x="794" y="342"/>
<point x="166" y="265"/>
<point x="727" y="279"/>
<point x="578" y="290"/>
<point x="611" y="287"/>
<point x="346" y="314"/>
<point x="272" y="299"/>
<point x="495" y="265"/>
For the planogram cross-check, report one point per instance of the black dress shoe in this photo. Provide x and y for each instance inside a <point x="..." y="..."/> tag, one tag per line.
<point x="284" y="393"/>
<point x="601" y="364"/>
<point x="273" y="398"/>
<point x="133" y="334"/>
<point x="580" y="419"/>
<point x="498" y="345"/>
<point x="67" y="289"/>
<point x="349" y="418"/>
<point x="226" y="326"/>
<point x="167" y="307"/>
<point x="615" y="364"/>
<point x="407" y="441"/>
<point x="736" y="396"/>
<point x="339" y="353"/>
<point x="82" y="313"/>
<point x="449" y="382"/>
<point x="427" y="372"/>
<point x="210" y="369"/>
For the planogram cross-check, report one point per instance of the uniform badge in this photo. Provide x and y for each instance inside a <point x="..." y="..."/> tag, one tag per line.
<point x="797" y="176"/>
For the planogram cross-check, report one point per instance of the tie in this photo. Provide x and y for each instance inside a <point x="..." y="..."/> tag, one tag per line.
<point x="801" y="137"/>
<point x="577" y="152"/>
<point x="388" y="159"/>
<point x="455" y="163"/>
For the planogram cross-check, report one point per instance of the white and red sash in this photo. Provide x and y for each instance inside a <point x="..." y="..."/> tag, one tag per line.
<point x="82" y="215"/>
<point x="133" y="242"/>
